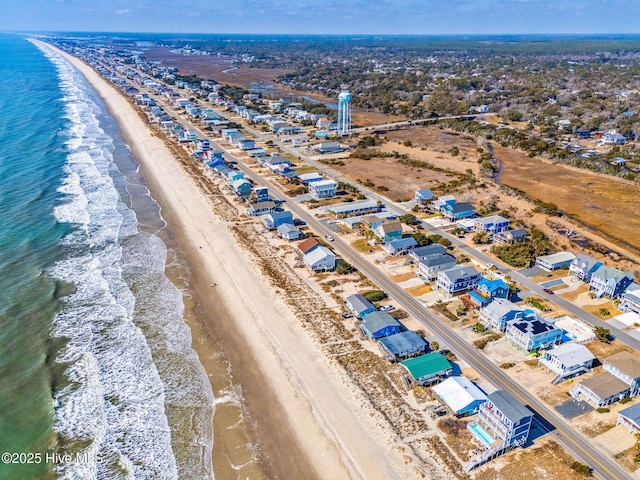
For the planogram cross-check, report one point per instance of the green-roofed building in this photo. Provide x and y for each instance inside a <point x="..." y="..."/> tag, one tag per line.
<point x="427" y="369"/>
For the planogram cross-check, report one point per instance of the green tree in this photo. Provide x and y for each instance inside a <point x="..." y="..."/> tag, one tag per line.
<point x="344" y="268"/>
<point x="409" y="219"/>
<point x="602" y="334"/>
<point x="374" y="295"/>
<point x="434" y="346"/>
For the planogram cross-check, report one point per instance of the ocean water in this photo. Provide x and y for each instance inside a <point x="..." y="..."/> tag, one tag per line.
<point x="95" y="358"/>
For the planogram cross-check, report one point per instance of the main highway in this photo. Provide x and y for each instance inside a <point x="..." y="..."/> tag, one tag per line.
<point x="603" y="466"/>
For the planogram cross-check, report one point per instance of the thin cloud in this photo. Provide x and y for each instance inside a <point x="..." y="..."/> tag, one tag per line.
<point x="124" y="11"/>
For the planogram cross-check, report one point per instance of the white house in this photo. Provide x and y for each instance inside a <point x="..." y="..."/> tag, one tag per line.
<point x="323" y="189"/>
<point x="567" y="361"/>
<point x="320" y="259"/>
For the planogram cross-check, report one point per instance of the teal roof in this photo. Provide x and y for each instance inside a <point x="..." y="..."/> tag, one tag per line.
<point x="426" y="365"/>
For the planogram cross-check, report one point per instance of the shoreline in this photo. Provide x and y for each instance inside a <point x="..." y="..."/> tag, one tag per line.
<point x="287" y="409"/>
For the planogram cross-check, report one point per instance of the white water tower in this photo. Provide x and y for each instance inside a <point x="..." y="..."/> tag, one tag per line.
<point x="344" y="112"/>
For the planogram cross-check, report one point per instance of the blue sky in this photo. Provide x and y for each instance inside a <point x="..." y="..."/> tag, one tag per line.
<point x="325" y="16"/>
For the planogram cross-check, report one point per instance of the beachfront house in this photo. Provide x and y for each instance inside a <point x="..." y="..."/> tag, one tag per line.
<point x="583" y="266"/>
<point x="620" y="378"/>
<point x="241" y="187"/>
<point x="379" y="324"/>
<point x="485" y="292"/>
<point x="568" y="360"/>
<point x="419" y="253"/>
<point x="275" y="219"/>
<point x="423" y="196"/>
<point x="233" y="175"/>
<point x="502" y="421"/>
<point x="492" y="224"/>
<point x="555" y="261"/>
<point x="533" y="332"/>
<point x="323" y="189"/>
<point x="510" y="237"/>
<point x="457" y="211"/>
<point x="460" y="395"/>
<point x="401" y="246"/>
<point x="610" y="281"/>
<point x="359" y="306"/>
<point x="261" y="208"/>
<point x="456" y="279"/>
<point x="320" y="259"/>
<point x="389" y="230"/>
<point x="426" y="369"/>
<point x="630" y="418"/>
<point x="308" y="245"/>
<point x="430" y="265"/>
<point x="288" y="232"/>
<point x="499" y="313"/>
<point x="402" y="345"/>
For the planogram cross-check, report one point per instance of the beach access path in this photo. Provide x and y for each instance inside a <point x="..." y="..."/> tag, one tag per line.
<point x="320" y="424"/>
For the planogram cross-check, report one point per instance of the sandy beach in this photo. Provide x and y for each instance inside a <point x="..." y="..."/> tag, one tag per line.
<point x="308" y="421"/>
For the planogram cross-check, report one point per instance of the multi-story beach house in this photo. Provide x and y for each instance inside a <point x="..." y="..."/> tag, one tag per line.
<point x="419" y="253"/>
<point x="403" y="345"/>
<point x="533" y="332"/>
<point x="583" y="266"/>
<point x="485" y="292"/>
<point x="502" y="421"/>
<point x="423" y="195"/>
<point x="630" y="300"/>
<point x="389" y="230"/>
<point x="320" y="259"/>
<point x="457" y="279"/>
<point x="275" y="219"/>
<point x="610" y="281"/>
<point x="499" y="313"/>
<point x="510" y="237"/>
<point x="620" y="378"/>
<point x="430" y="265"/>
<point x="568" y="360"/>
<point x="457" y="211"/>
<point x="379" y="324"/>
<point x="359" y="306"/>
<point x="492" y="224"/>
<point x="426" y="369"/>
<point x="323" y="189"/>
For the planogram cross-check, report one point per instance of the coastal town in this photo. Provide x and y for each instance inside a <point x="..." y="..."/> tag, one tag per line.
<point x="475" y="357"/>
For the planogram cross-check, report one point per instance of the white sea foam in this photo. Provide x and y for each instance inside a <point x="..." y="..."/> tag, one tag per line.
<point x="123" y="314"/>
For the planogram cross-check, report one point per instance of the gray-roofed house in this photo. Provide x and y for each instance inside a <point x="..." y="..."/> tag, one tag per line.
<point x="275" y="219"/>
<point x="457" y="279"/>
<point x="502" y="421"/>
<point x="403" y="345"/>
<point x="458" y="211"/>
<point x="630" y="418"/>
<point x="389" y="230"/>
<point x="241" y="187"/>
<point x="610" y="281"/>
<point x="379" y="324"/>
<point x="492" y="224"/>
<point x="426" y="369"/>
<point x="621" y="377"/>
<point x="354" y="208"/>
<point x="499" y="313"/>
<point x="568" y="360"/>
<point x="510" y="237"/>
<point x="533" y="332"/>
<point x="358" y="305"/>
<point x="320" y="259"/>
<point x="583" y="266"/>
<point x="555" y="261"/>
<point x="419" y="253"/>
<point x="460" y="395"/>
<point x="429" y="266"/>
<point x="401" y="246"/>
<point x="261" y="208"/>
<point x="288" y="231"/>
<point x="631" y="299"/>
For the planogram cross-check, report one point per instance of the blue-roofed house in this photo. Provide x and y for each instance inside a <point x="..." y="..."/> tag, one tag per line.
<point x="610" y="281"/>
<point x="457" y="211"/>
<point x="630" y="418"/>
<point x="275" y="219"/>
<point x="359" y="306"/>
<point x="583" y="266"/>
<point x="492" y="224"/>
<point x="241" y="187"/>
<point x="486" y="291"/>
<point x="533" y="332"/>
<point x="423" y="196"/>
<point x="403" y="345"/>
<point x="379" y="324"/>
<point x="400" y="247"/>
<point x="288" y="231"/>
<point x="460" y="395"/>
<point x="438" y="204"/>
<point x="457" y="279"/>
<point x="430" y="265"/>
<point x="499" y="313"/>
<point x="502" y="421"/>
<point x="310" y="177"/>
<point x="426" y="369"/>
<point x="234" y="175"/>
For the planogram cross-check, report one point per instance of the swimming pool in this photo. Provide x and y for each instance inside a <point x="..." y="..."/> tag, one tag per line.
<point x="482" y="434"/>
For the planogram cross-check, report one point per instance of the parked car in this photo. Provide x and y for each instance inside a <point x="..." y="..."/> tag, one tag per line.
<point x="346" y="315"/>
<point x="386" y="308"/>
<point x="329" y="237"/>
<point x="547" y="290"/>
